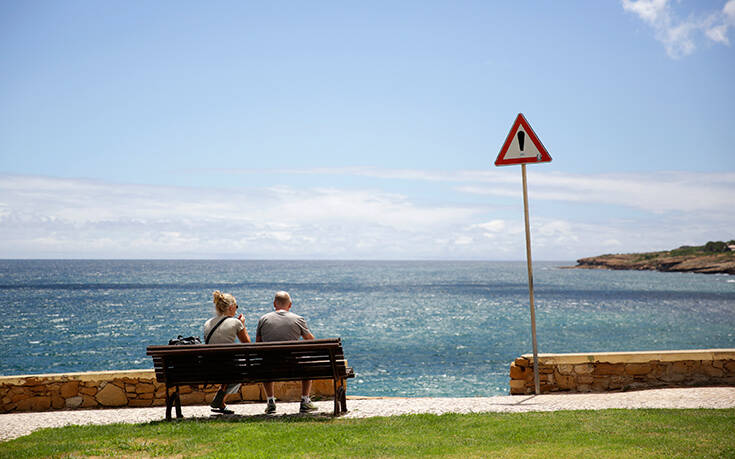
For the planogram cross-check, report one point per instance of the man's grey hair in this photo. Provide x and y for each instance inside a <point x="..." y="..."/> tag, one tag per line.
<point x="283" y="299"/>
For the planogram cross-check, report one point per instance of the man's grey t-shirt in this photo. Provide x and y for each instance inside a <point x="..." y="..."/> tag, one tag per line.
<point x="281" y="325"/>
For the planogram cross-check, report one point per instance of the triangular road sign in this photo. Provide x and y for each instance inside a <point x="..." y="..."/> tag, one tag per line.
<point x="522" y="145"/>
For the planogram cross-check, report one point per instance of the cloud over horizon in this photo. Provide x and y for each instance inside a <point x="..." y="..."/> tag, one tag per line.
<point x="44" y="217"/>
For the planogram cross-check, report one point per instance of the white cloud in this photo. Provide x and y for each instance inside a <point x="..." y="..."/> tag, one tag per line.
<point x="65" y="218"/>
<point x="494" y="226"/>
<point x="62" y="217"/>
<point x="718" y="32"/>
<point x="381" y="173"/>
<point x="651" y="11"/>
<point x="654" y="192"/>
<point x="679" y="35"/>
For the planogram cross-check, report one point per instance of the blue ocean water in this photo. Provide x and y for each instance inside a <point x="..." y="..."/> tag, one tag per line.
<point x="413" y="328"/>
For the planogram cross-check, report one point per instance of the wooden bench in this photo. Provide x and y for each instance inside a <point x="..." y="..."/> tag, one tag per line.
<point x="250" y="363"/>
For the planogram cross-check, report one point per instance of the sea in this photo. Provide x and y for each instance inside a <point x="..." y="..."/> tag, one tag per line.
<point x="409" y="328"/>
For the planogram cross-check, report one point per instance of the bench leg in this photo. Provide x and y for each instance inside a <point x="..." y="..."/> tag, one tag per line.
<point x="171" y="400"/>
<point x="342" y="400"/>
<point x="169" y="403"/>
<point x="343" y="396"/>
<point x="178" y="404"/>
<point x="340" y="397"/>
<point x="336" y="398"/>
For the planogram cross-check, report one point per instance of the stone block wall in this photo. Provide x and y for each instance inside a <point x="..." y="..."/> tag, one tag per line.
<point x="619" y="371"/>
<point x="133" y="388"/>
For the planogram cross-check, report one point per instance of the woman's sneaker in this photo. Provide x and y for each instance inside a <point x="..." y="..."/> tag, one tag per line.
<point x="307" y="406"/>
<point x="270" y="408"/>
<point x="218" y="401"/>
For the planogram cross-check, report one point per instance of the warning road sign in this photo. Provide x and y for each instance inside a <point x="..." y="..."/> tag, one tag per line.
<point x="522" y="145"/>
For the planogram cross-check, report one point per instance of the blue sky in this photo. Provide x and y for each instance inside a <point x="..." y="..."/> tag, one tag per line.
<point x="340" y="130"/>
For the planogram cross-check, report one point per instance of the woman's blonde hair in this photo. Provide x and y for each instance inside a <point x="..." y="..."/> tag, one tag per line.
<point x="222" y="301"/>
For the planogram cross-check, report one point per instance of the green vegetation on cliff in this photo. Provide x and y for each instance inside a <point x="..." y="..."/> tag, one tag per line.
<point x="707" y="249"/>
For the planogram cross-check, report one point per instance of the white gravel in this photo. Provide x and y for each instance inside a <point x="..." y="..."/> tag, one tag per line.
<point x="14" y="425"/>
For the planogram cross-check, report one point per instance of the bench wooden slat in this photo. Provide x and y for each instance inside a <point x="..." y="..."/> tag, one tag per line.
<point x="227" y="378"/>
<point x="241" y="365"/>
<point x="252" y="363"/>
<point x="188" y="374"/>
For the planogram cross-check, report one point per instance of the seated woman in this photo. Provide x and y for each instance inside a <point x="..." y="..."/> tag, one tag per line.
<point x="223" y="329"/>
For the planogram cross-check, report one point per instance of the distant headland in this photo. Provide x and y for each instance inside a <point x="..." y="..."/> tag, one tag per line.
<point x="715" y="257"/>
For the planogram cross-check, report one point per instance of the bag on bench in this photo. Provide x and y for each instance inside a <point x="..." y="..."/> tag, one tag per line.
<point x="180" y="340"/>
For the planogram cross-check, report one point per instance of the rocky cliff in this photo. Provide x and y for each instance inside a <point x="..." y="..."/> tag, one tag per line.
<point x="686" y="259"/>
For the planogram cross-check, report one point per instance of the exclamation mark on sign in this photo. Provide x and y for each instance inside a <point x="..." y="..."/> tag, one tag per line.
<point x="521" y="138"/>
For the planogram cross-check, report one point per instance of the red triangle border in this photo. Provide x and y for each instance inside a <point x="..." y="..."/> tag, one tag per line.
<point x="521" y="120"/>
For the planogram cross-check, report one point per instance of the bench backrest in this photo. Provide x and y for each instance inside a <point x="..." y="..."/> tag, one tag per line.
<point x="252" y="362"/>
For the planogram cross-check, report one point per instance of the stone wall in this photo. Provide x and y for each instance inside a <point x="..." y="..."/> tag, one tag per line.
<point x="619" y="371"/>
<point x="133" y="388"/>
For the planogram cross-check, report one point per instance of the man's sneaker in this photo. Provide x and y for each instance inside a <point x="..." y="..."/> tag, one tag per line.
<point x="270" y="408"/>
<point x="307" y="406"/>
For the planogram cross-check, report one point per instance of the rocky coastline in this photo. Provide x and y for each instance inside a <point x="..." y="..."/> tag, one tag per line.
<point x="666" y="261"/>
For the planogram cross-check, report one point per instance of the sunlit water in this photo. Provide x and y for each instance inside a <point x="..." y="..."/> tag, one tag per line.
<point x="414" y="328"/>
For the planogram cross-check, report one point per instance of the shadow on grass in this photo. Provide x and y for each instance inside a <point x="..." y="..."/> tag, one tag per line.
<point x="254" y="418"/>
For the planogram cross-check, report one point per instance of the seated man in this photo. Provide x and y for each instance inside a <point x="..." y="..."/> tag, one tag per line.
<point x="284" y="325"/>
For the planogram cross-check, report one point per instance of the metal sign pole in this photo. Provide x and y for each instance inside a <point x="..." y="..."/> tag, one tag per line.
<point x="530" y="282"/>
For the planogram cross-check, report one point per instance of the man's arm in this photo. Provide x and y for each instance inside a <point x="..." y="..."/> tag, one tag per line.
<point x="305" y="332"/>
<point x="258" y="337"/>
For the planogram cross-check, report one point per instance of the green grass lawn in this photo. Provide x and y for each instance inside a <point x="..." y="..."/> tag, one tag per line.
<point x="606" y="433"/>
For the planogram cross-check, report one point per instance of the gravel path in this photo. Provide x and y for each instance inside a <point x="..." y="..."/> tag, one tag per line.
<point x="18" y="424"/>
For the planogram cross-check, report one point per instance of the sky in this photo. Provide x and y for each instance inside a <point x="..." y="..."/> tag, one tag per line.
<point x="363" y="130"/>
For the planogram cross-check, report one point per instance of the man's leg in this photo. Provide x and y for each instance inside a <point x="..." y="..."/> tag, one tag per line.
<point x="269" y="388"/>
<point x="306" y="404"/>
<point x="306" y="388"/>
<point x="269" y="392"/>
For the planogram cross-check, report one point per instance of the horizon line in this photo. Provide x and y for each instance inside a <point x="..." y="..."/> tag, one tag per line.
<point x="278" y="259"/>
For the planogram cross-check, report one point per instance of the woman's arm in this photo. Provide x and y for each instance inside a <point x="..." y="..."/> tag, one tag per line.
<point x="243" y="335"/>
